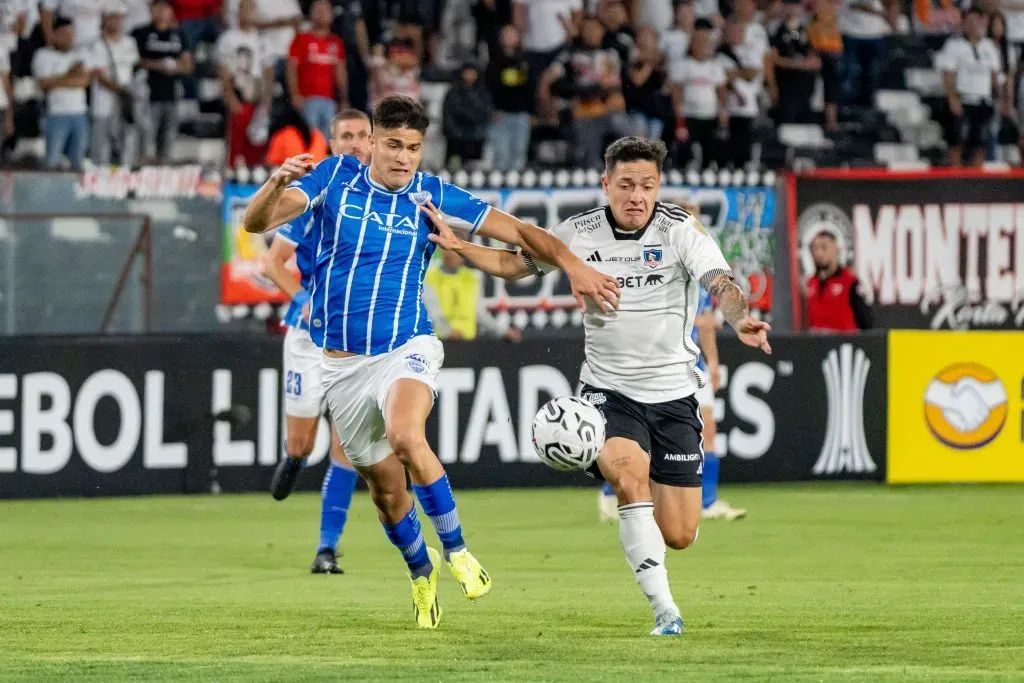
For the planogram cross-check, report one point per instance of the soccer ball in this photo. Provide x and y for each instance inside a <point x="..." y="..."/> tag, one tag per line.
<point x="568" y="434"/>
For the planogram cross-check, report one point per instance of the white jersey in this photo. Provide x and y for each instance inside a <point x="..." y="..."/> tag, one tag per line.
<point x="644" y="349"/>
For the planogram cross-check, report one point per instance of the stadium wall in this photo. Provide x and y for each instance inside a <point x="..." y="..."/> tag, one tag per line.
<point x="190" y="414"/>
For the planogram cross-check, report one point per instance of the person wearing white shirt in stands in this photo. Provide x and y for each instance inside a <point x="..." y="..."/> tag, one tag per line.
<point x="742" y="54"/>
<point x="1013" y="10"/>
<point x="112" y="60"/>
<point x="85" y="14"/>
<point x="547" y="26"/>
<point x="675" y="42"/>
<point x="278" y="22"/>
<point x="61" y="73"/>
<point x="698" y="97"/>
<point x="972" y="75"/>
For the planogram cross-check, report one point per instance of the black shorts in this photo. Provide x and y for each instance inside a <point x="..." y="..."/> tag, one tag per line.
<point x="669" y="432"/>
<point x="973" y="129"/>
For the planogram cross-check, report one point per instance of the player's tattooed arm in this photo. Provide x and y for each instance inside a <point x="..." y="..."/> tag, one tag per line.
<point x="733" y="304"/>
<point x="721" y="285"/>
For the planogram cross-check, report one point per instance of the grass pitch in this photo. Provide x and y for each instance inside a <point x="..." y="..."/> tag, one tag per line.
<point x="821" y="583"/>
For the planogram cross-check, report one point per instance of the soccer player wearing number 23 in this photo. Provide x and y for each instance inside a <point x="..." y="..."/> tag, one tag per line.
<point x="381" y="358"/>
<point x="640" y="360"/>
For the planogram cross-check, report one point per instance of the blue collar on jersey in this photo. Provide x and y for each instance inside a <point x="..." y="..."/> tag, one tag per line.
<point x="380" y="188"/>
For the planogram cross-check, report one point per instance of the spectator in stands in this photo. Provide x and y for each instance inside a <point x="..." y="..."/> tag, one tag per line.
<point x="792" y="68"/>
<point x="350" y="25"/>
<point x="618" y="34"/>
<point x="675" y="42"/>
<point x="84" y="14"/>
<point x="398" y="74"/>
<point x="508" y="81"/>
<point x="12" y="22"/>
<point x="864" y="29"/>
<point x="293" y="137"/>
<point x="658" y="14"/>
<point x="165" y="57"/>
<point x="835" y="303"/>
<point x="972" y="75"/>
<point x="453" y="302"/>
<point x="112" y="60"/>
<point x="1006" y="124"/>
<point x="317" y="75"/>
<point x="744" y="65"/>
<point x="699" y="88"/>
<point x="199" y="20"/>
<point x="466" y="113"/>
<point x="593" y="75"/>
<point x="6" y="101"/>
<point x="547" y="28"/>
<point x="827" y="42"/>
<point x="1013" y="10"/>
<point x="62" y="73"/>
<point x="643" y="87"/>
<point x="708" y="9"/>
<point x="278" y="21"/>
<point x="247" y="80"/>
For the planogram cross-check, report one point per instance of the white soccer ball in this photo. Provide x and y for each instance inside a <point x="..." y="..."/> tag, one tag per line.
<point x="568" y="434"/>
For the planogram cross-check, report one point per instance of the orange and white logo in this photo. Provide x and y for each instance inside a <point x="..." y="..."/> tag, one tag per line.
<point x="965" y="406"/>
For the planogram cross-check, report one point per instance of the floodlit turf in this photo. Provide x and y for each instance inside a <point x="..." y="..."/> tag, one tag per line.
<point x="853" y="583"/>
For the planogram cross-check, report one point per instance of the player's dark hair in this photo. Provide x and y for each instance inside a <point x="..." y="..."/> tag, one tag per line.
<point x="634" y="148"/>
<point x="399" y="111"/>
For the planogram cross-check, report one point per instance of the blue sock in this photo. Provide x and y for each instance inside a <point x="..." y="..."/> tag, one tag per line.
<point x="709" y="480"/>
<point x="407" y="536"/>
<point x="606" y="489"/>
<point x="335" y="498"/>
<point x="438" y="503"/>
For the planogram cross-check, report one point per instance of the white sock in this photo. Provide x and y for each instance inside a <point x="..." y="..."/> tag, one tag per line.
<point x="644" y="547"/>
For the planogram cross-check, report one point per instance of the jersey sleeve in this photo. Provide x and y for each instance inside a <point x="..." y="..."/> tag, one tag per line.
<point x="699" y="253"/>
<point x="466" y="206"/>
<point x="315" y="183"/>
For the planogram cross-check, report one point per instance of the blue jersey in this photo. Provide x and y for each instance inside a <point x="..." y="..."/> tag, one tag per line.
<point x="300" y="233"/>
<point x="704" y="305"/>
<point x="371" y="252"/>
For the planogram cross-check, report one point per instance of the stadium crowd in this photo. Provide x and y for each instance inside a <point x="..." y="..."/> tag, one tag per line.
<point x="545" y="82"/>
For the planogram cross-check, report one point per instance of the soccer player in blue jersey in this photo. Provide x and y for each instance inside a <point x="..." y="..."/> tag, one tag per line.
<point x="381" y="359"/>
<point x="303" y="390"/>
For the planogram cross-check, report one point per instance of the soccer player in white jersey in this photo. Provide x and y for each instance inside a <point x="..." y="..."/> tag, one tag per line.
<point x="640" y="368"/>
<point x="381" y="358"/>
<point x="303" y="389"/>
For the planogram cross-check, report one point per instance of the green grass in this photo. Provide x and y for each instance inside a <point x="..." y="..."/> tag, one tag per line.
<point x="853" y="583"/>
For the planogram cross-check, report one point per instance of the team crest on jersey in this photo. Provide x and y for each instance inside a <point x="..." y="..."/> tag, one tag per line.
<point x="652" y="257"/>
<point x="419" y="198"/>
<point x="416" y="363"/>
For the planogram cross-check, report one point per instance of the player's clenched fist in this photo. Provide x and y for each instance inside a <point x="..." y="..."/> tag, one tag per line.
<point x="293" y="168"/>
<point x="587" y="283"/>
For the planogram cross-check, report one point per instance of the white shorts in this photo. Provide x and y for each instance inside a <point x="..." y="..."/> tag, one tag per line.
<point x="706" y="395"/>
<point x="357" y="387"/>
<point x="303" y="388"/>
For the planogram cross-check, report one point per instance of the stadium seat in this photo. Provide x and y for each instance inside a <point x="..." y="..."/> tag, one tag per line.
<point x="803" y="136"/>
<point x="925" y="82"/>
<point x="889" y="153"/>
<point x="890" y="101"/>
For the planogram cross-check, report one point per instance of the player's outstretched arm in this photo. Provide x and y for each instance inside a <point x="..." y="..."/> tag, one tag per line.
<point x="503" y="263"/>
<point x="585" y="281"/>
<point x="733" y="304"/>
<point x="274" y="204"/>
